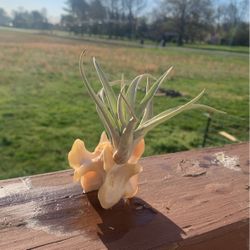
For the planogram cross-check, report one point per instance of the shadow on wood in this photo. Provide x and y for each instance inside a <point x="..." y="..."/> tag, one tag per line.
<point x="130" y="224"/>
<point x="133" y="224"/>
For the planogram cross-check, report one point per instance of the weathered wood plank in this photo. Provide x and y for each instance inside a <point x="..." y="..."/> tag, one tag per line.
<point x="189" y="200"/>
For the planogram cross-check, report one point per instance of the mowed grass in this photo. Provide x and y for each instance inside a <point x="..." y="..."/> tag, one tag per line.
<point x="237" y="49"/>
<point x="44" y="106"/>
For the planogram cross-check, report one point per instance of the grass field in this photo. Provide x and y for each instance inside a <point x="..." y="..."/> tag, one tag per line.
<point x="237" y="49"/>
<point x="44" y="106"/>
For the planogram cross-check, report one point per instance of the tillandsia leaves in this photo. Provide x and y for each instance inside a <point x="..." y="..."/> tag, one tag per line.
<point x="112" y="168"/>
<point x="152" y="91"/>
<point x="148" y="113"/>
<point x="124" y="121"/>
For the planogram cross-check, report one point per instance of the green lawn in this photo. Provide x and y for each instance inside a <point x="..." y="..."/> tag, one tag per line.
<point x="238" y="49"/>
<point x="44" y="106"/>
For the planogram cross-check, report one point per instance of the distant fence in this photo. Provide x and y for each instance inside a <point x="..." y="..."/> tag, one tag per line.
<point x="222" y="130"/>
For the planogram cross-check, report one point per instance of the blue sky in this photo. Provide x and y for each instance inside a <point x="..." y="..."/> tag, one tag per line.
<point x="54" y="7"/>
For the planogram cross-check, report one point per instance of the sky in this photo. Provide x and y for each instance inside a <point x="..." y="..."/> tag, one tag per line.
<point x="54" y="7"/>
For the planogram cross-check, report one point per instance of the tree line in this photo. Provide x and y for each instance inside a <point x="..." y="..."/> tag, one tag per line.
<point x="176" y="21"/>
<point x="22" y="18"/>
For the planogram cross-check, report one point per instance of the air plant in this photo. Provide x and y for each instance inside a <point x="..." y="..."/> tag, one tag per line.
<point x="113" y="167"/>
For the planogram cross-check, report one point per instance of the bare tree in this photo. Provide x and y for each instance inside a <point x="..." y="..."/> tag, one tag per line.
<point x="234" y="12"/>
<point x="233" y="22"/>
<point x="131" y="9"/>
<point x="189" y="16"/>
<point x="78" y="9"/>
<point x="97" y="10"/>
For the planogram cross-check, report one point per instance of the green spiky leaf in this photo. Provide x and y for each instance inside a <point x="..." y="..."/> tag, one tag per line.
<point x="125" y="123"/>
<point x="150" y="94"/>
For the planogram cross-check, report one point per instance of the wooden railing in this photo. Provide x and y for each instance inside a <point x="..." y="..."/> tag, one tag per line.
<point x="189" y="200"/>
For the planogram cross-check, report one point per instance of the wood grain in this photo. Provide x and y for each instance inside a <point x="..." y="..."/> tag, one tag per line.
<point x="189" y="201"/>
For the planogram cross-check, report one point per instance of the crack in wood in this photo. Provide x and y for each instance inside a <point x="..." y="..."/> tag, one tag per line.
<point x="52" y="242"/>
